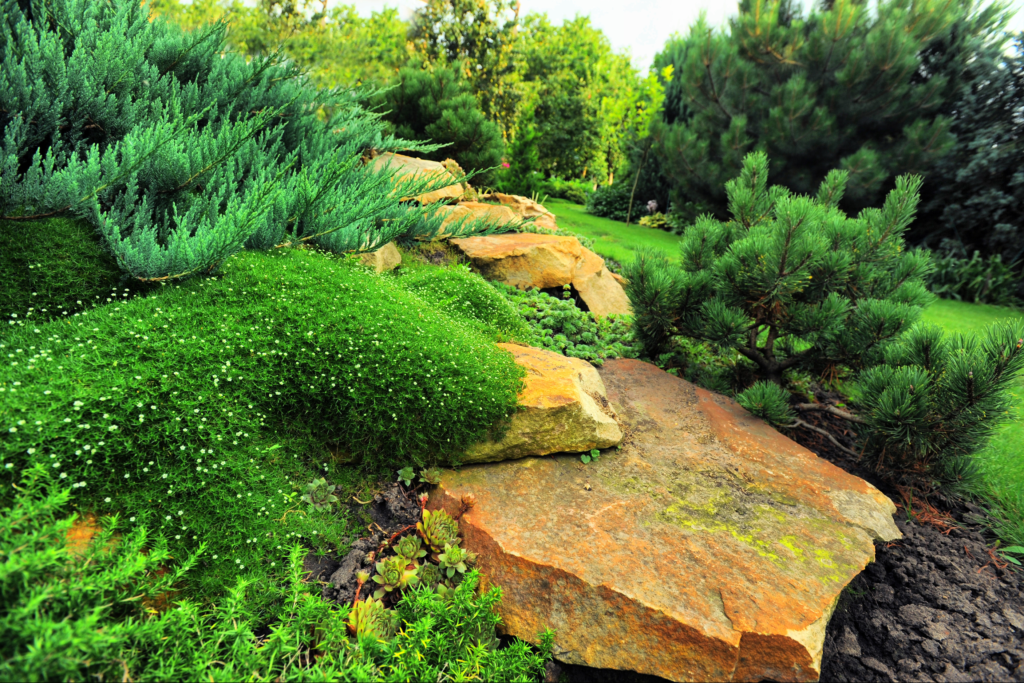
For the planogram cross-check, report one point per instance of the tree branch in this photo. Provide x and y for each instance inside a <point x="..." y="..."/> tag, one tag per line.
<point x="819" y="430"/>
<point x="826" y="408"/>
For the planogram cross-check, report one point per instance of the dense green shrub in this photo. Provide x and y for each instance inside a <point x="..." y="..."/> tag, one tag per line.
<point x="172" y="408"/>
<point x="843" y="85"/>
<point x="462" y="294"/>
<point x="975" y="202"/>
<point x="437" y="105"/>
<point x="51" y="266"/>
<point x="574" y="191"/>
<point x="559" y="326"/>
<point x="610" y="201"/>
<point x="795" y="286"/>
<point x="981" y="281"/>
<point x="181" y="154"/>
<point x="89" y="614"/>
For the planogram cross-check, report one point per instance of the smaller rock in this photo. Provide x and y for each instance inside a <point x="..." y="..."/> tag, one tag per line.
<point x="384" y="259"/>
<point x="527" y="208"/>
<point x="564" y="409"/>
<point x="411" y="166"/>
<point x="602" y="293"/>
<point x="1016" y="620"/>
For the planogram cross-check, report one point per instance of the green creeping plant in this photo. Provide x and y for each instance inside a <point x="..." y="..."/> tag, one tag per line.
<point x="592" y="455"/>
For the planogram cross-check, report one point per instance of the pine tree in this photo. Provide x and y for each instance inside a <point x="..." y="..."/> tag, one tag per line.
<point x="179" y="153"/>
<point x="977" y="202"/>
<point x="792" y="284"/>
<point x="848" y="87"/>
<point x="436" y="105"/>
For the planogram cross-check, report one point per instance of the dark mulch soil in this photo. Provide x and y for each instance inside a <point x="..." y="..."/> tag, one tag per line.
<point x="934" y="606"/>
<point x="390" y="511"/>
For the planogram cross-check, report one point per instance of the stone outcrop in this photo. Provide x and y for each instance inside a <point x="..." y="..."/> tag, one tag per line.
<point x="709" y="548"/>
<point x="492" y="213"/>
<point x="527" y="260"/>
<point x="563" y="409"/>
<point x="527" y="208"/>
<point x="411" y="166"/>
<point x="384" y="259"/>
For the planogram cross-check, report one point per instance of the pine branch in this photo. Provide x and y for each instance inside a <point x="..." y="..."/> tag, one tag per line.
<point x="819" y="430"/>
<point x="826" y="408"/>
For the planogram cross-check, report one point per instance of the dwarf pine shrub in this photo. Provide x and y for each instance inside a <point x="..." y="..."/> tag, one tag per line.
<point x="203" y="409"/>
<point x="96" y="613"/>
<point x="794" y="285"/>
<point x="180" y="153"/>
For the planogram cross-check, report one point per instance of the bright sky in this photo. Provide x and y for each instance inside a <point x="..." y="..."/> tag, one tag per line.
<point x="639" y="26"/>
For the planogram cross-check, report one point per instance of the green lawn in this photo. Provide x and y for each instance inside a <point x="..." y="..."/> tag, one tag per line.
<point x="612" y="239"/>
<point x="1002" y="462"/>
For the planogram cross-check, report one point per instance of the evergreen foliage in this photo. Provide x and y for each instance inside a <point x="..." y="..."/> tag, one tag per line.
<point x="793" y="285"/>
<point x="559" y="325"/>
<point x="977" y="202"/>
<point x="437" y="106"/>
<point x="858" y="88"/>
<point x="978" y="280"/>
<point x="101" y="612"/>
<point x="180" y="154"/>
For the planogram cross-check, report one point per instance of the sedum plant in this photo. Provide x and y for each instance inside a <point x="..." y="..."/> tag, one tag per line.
<point x="454" y="559"/>
<point x="394" y="573"/>
<point x="320" y="496"/>
<point x="410" y="548"/>
<point x="438" y="530"/>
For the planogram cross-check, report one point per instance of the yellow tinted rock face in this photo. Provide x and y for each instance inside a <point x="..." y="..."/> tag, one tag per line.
<point x="524" y="260"/>
<point x="563" y="409"/>
<point x="709" y="548"/>
<point x="420" y="167"/>
<point x="384" y="259"/>
<point x="526" y="207"/>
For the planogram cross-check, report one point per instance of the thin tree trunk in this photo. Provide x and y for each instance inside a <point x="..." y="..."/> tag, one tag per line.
<point x="629" y="212"/>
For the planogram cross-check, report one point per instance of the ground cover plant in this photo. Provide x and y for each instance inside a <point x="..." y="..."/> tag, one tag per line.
<point x="207" y="379"/>
<point x="95" y="611"/>
<point x="558" y="325"/>
<point x="791" y="283"/>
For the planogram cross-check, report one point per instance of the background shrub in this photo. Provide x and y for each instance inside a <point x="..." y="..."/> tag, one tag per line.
<point x="978" y="280"/>
<point x="173" y="408"/>
<point x="574" y="191"/>
<point x="610" y="201"/>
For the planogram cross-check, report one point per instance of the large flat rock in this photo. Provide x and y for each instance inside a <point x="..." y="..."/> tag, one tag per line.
<point x="421" y="168"/>
<point x="709" y="548"/>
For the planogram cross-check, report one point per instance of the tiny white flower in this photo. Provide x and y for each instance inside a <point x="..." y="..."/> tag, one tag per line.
<point x="106" y="500"/>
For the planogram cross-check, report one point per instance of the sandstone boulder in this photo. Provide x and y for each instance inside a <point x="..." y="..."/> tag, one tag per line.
<point x="524" y="260"/>
<point x="564" y="409"/>
<point x="384" y="259"/>
<point x="709" y="548"/>
<point x="527" y="208"/>
<point x="527" y="260"/>
<point x="411" y="166"/>
<point x="493" y="213"/>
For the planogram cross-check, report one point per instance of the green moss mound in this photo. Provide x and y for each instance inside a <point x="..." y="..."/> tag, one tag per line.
<point x="204" y="408"/>
<point x="54" y="267"/>
<point x="464" y="295"/>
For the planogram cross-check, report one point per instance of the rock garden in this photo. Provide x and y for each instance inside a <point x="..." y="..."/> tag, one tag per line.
<point x="284" y="398"/>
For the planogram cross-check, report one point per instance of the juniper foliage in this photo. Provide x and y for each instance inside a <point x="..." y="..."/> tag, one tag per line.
<point x="181" y="153"/>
